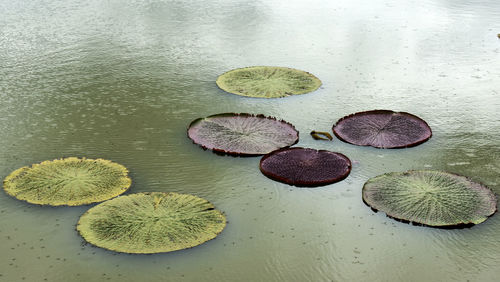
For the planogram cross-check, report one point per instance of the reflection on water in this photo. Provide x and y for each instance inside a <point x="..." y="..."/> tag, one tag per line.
<point x="122" y="81"/>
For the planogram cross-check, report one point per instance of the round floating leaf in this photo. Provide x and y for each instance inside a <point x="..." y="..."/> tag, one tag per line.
<point x="70" y="181"/>
<point x="382" y="129"/>
<point x="268" y="82"/>
<point x="242" y="134"/>
<point x="432" y="198"/>
<point x="305" y="167"/>
<point x="155" y="222"/>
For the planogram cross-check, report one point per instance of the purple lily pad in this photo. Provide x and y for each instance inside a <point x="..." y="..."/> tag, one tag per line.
<point x="242" y="134"/>
<point x="383" y="129"/>
<point x="305" y="167"/>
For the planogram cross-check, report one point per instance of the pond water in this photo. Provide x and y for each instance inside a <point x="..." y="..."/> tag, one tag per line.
<point x="122" y="80"/>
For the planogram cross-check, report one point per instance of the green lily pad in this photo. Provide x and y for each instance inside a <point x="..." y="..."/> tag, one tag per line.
<point x="146" y="223"/>
<point x="267" y="82"/>
<point x="242" y="134"/>
<point x="432" y="198"/>
<point x="69" y="181"/>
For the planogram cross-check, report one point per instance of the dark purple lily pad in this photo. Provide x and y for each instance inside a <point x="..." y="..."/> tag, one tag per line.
<point x="383" y="129"/>
<point x="242" y="134"/>
<point x="304" y="167"/>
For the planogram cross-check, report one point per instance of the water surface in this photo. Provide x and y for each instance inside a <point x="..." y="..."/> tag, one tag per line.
<point x="121" y="80"/>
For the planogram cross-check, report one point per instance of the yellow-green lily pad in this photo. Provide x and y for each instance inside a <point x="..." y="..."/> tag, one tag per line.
<point x="155" y="222"/>
<point x="267" y="82"/>
<point x="69" y="181"/>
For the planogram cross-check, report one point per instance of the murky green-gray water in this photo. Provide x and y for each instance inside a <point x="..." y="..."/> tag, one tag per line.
<point x="121" y="80"/>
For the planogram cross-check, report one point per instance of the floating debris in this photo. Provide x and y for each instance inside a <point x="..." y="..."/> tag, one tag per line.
<point x="320" y="135"/>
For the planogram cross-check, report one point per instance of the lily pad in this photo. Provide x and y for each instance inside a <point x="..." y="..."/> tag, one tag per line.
<point x="305" y="167"/>
<point x="267" y="82"/>
<point x="432" y="198"/>
<point x="242" y="134"/>
<point x="69" y="181"/>
<point x="146" y="223"/>
<point x="383" y="129"/>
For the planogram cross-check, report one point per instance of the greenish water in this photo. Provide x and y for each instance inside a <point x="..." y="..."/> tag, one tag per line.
<point x="122" y="80"/>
